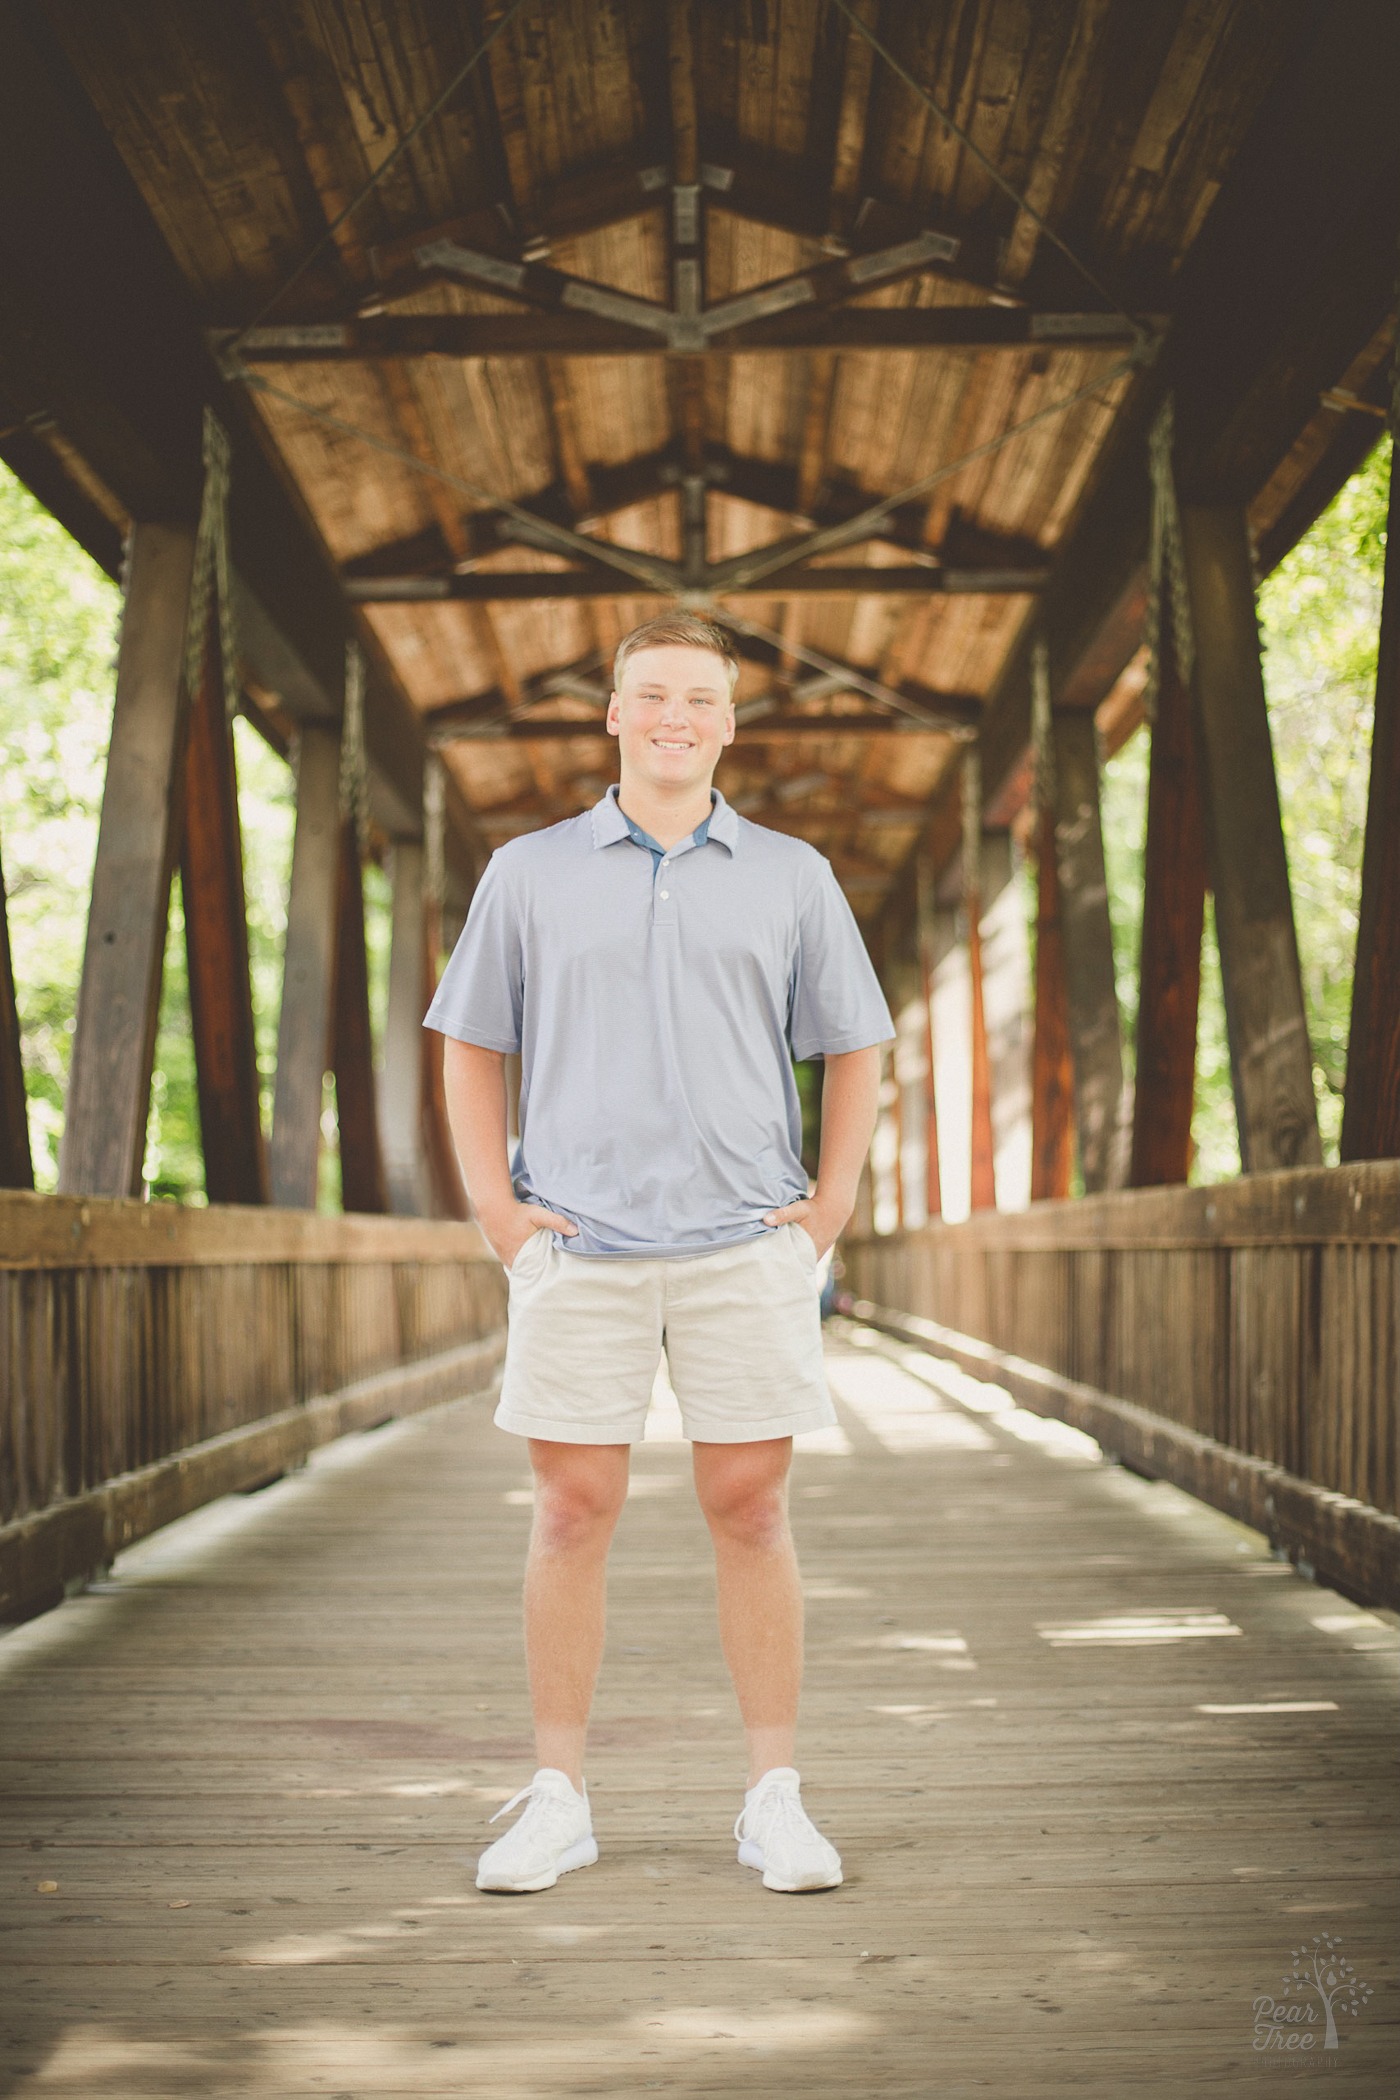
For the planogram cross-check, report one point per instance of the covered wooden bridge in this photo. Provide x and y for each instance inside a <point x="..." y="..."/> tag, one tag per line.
<point x="973" y="361"/>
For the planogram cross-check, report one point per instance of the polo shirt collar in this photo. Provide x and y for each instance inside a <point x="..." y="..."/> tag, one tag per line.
<point x="610" y="824"/>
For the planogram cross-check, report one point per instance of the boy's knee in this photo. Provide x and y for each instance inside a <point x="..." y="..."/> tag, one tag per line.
<point x="577" y="1505"/>
<point x="749" y="1515"/>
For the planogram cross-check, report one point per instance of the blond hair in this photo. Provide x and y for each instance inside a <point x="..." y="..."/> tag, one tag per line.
<point x="677" y="631"/>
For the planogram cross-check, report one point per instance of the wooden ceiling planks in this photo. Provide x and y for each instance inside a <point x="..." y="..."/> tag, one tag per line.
<point x="247" y="127"/>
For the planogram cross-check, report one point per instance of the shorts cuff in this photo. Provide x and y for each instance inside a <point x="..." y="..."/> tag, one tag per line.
<point x="554" y="1431"/>
<point x="776" y="1425"/>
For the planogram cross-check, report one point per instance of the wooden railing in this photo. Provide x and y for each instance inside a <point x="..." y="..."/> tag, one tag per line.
<point x="153" y="1356"/>
<point x="1255" y="1321"/>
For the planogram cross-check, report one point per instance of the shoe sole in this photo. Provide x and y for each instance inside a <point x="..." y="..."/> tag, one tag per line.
<point x="751" y="1855"/>
<point x="582" y="1853"/>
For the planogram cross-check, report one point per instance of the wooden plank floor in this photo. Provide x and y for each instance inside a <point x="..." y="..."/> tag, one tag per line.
<point x="1097" y="1765"/>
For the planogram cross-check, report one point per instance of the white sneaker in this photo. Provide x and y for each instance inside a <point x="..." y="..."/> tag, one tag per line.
<point x="777" y="1836"/>
<point x="554" y="1836"/>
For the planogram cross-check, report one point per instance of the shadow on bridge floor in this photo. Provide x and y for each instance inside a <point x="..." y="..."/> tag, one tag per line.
<point x="1098" y="1765"/>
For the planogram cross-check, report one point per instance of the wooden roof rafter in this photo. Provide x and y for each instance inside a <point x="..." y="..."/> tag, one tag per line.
<point x="743" y="180"/>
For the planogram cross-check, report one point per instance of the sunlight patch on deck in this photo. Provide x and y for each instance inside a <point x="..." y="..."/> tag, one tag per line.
<point x="1274" y="1706"/>
<point x="900" y="1411"/>
<point x="1133" y="1629"/>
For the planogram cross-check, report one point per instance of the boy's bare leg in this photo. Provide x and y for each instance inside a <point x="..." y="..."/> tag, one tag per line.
<point x="742" y="1489"/>
<point x="579" y="1493"/>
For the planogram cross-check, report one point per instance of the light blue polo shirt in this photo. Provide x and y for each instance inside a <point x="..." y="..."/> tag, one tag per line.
<point x="657" y="999"/>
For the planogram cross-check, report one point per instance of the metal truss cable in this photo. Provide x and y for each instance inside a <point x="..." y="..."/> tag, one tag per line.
<point x="1042" y="729"/>
<point x="1167" y="594"/>
<point x="213" y="571"/>
<point x="414" y="131"/>
<point x="354" y="764"/>
<point x="855" y="681"/>
<point x="1002" y="182"/>
<point x="434" y="831"/>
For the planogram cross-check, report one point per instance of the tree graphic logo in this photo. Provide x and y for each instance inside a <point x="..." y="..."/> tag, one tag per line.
<point x="1321" y="1981"/>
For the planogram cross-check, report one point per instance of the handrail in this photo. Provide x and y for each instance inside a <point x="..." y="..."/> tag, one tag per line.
<point x="1260" y="1315"/>
<point x="152" y="1355"/>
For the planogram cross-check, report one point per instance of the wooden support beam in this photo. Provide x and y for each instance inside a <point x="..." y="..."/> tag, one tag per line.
<point x="303" y="1034"/>
<point x="514" y="586"/>
<point x="1173" y="914"/>
<point x="1052" y="1065"/>
<point x="1270" y="1056"/>
<point x="933" y="1178"/>
<point x="109" y="1084"/>
<point x="1371" y="1116"/>
<point x="570" y="334"/>
<point x="766" y="729"/>
<point x="401" y="1097"/>
<point x="1090" y="984"/>
<point x="16" y="1163"/>
<point x="439" y="1152"/>
<point x="216" y="948"/>
<point x="362" y="1182"/>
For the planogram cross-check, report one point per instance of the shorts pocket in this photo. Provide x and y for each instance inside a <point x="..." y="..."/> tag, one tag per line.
<point x="525" y="1254"/>
<point x="806" y="1246"/>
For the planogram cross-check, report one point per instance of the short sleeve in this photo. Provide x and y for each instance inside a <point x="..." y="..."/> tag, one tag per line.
<point x="481" y="998"/>
<point x="837" y="1003"/>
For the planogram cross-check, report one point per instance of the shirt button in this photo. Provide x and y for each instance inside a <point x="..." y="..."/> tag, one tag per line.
<point x="665" y="894"/>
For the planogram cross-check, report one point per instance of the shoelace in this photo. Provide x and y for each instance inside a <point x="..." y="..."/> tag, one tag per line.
<point x="785" y="1807"/>
<point x="538" y="1797"/>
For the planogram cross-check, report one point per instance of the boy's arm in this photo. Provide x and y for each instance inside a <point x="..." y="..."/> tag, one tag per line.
<point x="475" y="1083"/>
<point x="850" y="1103"/>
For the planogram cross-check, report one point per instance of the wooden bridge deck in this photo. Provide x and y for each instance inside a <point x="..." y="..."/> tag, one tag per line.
<point x="1097" y="1765"/>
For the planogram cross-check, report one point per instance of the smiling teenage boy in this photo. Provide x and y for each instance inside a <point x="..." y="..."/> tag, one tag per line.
<point x="657" y="963"/>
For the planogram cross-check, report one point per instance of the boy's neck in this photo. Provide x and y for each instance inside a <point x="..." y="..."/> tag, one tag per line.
<point x="670" y="815"/>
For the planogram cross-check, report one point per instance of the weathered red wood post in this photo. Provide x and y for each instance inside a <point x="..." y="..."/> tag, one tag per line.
<point x="211" y="866"/>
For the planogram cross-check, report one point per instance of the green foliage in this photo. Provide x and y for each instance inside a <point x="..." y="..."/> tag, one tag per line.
<point x="58" y="630"/>
<point x="1319" y="617"/>
<point x="59" y="619"/>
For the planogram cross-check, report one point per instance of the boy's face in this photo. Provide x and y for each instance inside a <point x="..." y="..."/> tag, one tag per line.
<point x="672" y="715"/>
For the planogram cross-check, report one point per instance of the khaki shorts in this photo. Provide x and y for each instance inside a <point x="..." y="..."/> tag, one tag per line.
<point x="741" y="1328"/>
